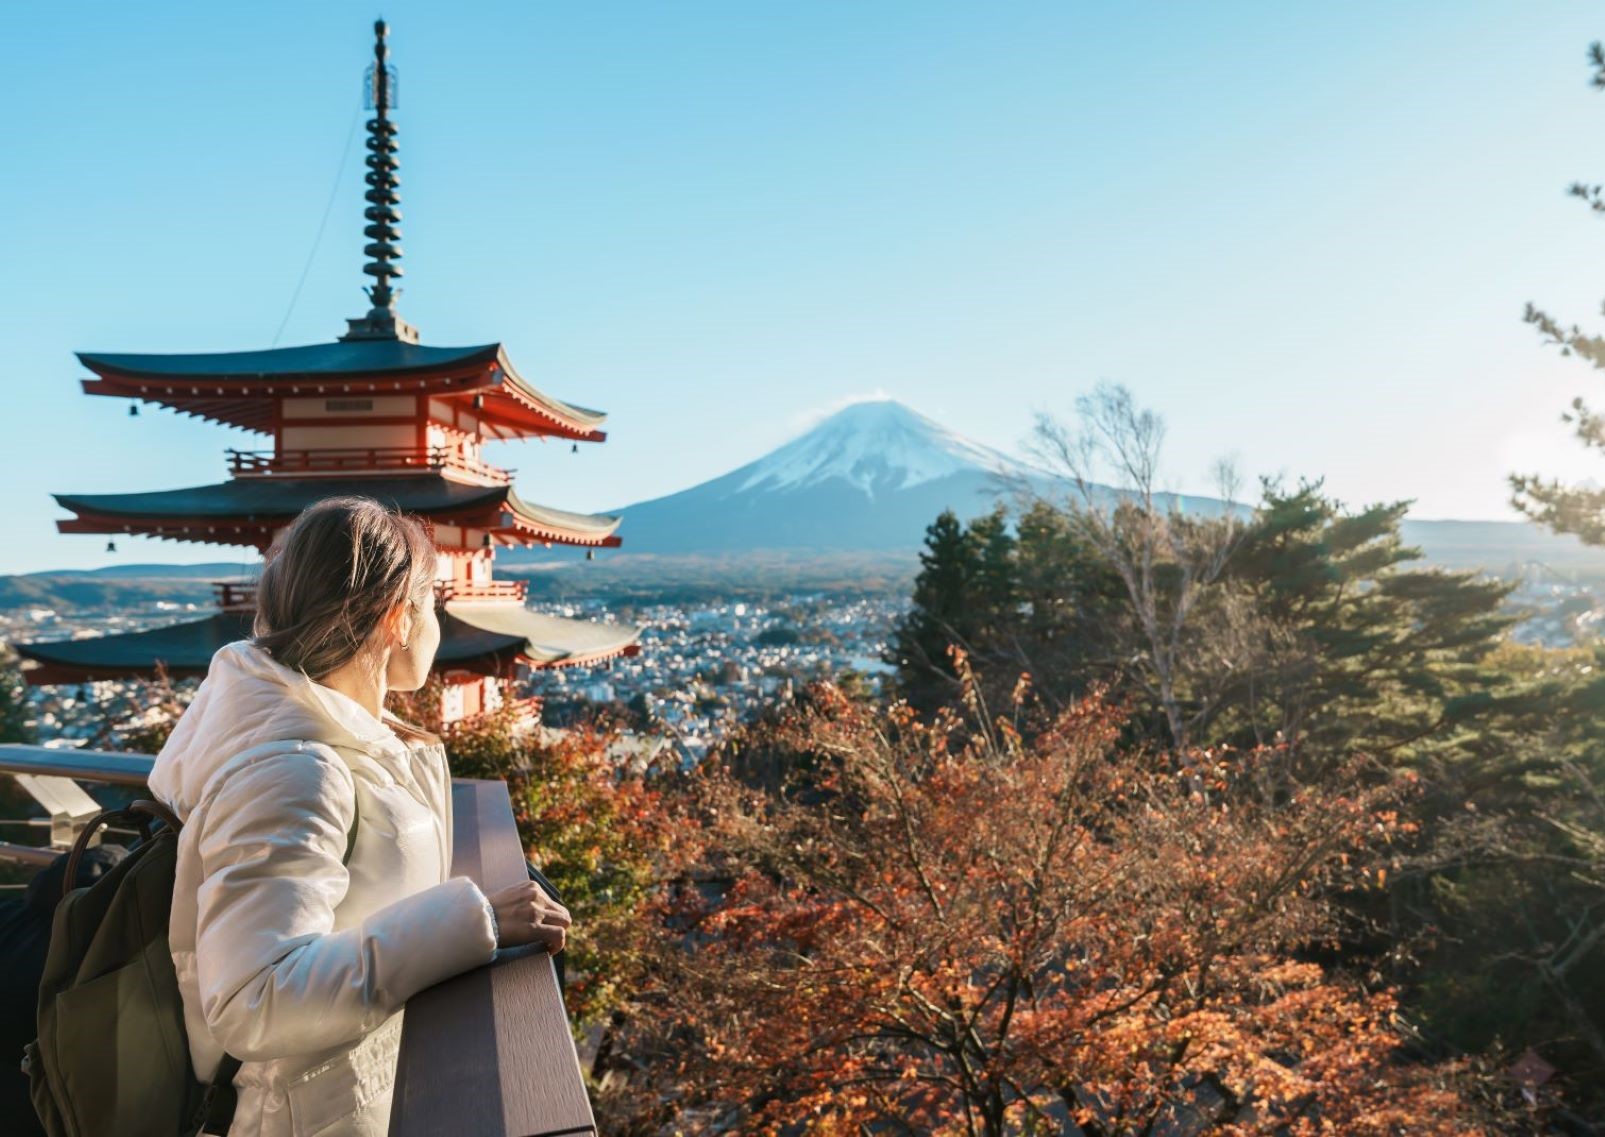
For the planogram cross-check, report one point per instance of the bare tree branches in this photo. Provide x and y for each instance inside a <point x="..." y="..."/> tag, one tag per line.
<point x="1166" y="559"/>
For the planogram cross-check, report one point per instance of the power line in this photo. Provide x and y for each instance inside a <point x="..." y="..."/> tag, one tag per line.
<point x="317" y="241"/>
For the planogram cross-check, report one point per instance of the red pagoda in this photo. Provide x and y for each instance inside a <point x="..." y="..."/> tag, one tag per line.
<point x="375" y="413"/>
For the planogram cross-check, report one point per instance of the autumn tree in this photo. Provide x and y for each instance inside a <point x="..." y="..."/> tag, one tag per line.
<point x="986" y="930"/>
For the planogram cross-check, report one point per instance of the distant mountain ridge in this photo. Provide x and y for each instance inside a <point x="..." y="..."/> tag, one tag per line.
<point x="218" y="570"/>
<point x="865" y="481"/>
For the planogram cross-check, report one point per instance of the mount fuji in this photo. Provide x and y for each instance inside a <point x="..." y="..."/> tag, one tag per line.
<point x="870" y="477"/>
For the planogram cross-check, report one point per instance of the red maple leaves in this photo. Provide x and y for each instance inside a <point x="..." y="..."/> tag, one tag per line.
<point x="969" y="927"/>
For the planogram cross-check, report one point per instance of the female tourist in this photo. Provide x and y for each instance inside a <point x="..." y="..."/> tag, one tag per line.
<point x="312" y="894"/>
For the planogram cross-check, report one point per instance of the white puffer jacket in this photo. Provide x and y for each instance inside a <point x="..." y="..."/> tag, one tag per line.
<point x="294" y="963"/>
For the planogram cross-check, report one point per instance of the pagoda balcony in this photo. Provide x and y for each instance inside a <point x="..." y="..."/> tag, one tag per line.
<point x="507" y="590"/>
<point x="358" y="461"/>
<point x="232" y="596"/>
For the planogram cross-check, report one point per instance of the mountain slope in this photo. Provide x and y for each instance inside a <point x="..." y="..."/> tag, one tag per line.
<point x="870" y="477"/>
<point x="880" y="447"/>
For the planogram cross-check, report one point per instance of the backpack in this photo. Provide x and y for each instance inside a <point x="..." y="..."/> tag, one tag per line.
<point x="112" y="1056"/>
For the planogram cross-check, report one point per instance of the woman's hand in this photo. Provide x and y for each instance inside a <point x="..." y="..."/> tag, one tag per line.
<point x="526" y="915"/>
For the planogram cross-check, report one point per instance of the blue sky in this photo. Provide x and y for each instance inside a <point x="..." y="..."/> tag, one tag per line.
<point x="1304" y="233"/>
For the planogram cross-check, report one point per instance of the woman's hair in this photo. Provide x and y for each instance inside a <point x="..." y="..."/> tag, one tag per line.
<point x="332" y="576"/>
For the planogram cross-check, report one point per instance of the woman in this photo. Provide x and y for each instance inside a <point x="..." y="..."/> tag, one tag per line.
<point x="290" y="956"/>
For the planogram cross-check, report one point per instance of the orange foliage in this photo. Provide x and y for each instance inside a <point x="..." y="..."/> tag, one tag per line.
<point x="953" y="929"/>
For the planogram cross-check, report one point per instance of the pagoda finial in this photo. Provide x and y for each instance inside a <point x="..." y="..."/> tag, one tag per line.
<point x="382" y="213"/>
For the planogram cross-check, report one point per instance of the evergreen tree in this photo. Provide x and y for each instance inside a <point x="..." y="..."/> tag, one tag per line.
<point x="1072" y="610"/>
<point x="1356" y="648"/>
<point x="943" y="612"/>
<point x="1578" y="509"/>
<point x="992" y="550"/>
<point x="15" y="716"/>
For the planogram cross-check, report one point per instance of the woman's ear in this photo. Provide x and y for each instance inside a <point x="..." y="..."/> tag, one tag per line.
<point x="398" y="624"/>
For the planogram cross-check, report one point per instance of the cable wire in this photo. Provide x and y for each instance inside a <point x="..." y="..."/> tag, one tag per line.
<point x="317" y="241"/>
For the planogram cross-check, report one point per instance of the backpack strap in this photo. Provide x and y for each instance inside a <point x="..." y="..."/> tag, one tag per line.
<point x="220" y="1099"/>
<point x="351" y="837"/>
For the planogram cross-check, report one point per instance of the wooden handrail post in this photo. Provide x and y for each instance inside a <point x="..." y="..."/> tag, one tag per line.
<point x="521" y="1077"/>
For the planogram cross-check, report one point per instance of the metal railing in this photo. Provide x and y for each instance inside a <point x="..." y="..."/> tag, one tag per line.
<point x="361" y="460"/>
<point x="488" y="1051"/>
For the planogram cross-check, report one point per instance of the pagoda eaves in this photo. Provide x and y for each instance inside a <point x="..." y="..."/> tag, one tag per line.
<point x="481" y="639"/>
<point x="248" y="511"/>
<point x="247" y="388"/>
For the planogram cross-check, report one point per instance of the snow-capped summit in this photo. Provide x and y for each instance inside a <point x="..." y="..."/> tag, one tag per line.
<point x="878" y="446"/>
<point x="871" y="476"/>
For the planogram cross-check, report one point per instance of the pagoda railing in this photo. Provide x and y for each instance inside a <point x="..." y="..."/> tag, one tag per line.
<point x="360" y="460"/>
<point x="488" y="1051"/>
<point x="234" y="597"/>
<point x="482" y="590"/>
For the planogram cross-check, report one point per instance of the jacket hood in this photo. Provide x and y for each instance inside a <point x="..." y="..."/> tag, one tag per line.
<point x="248" y="699"/>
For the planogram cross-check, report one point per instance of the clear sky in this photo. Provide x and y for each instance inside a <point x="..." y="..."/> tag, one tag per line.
<point x="1304" y="232"/>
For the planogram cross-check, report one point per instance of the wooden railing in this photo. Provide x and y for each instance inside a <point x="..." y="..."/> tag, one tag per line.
<point x="235" y="597"/>
<point x="487" y="1052"/>
<point x="359" y="460"/>
<point x="483" y="590"/>
<point x="232" y="597"/>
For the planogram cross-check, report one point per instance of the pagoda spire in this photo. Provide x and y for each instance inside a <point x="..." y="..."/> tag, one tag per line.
<point x="383" y="212"/>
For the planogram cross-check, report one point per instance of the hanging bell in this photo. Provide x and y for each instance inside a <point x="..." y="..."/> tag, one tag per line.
<point x="479" y="402"/>
<point x="590" y="554"/>
<point x="575" y="448"/>
<point x="111" y="546"/>
<point x="486" y="541"/>
<point x="133" y="410"/>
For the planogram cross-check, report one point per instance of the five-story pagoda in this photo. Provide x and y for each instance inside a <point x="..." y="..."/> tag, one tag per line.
<point x="375" y="413"/>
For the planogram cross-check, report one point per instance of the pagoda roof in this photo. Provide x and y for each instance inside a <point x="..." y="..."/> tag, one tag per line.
<point x="466" y="643"/>
<point x="239" y="387"/>
<point x="245" y="511"/>
<point x="309" y="361"/>
<point x="184" y="649"/>
<point x="547" y="641"/>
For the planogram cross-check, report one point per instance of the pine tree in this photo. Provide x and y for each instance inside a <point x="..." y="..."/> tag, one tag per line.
<point x="1071" y="606"/>
<point x="1356" y="648"/>
<point x="992" y="547"/>
<point x="943" y="613"/>
<point x="1578" y="509"/>
<point x="15" y="715"/>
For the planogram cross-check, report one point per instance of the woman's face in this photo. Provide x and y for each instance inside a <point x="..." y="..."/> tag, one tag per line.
<point x="419" y="629"/>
